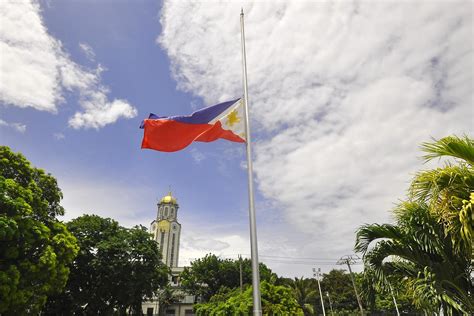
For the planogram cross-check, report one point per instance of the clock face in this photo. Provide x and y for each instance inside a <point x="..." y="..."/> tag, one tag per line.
<point x="164" y="226"/>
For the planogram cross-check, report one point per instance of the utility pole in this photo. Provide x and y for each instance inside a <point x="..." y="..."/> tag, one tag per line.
<point x="330" y="303"/>
<point x="240" y="268"/>
<point x="316" y="274"/>
<point x="351" y="260"/>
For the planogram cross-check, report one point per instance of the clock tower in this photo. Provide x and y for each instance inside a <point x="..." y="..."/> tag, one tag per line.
<point x="166" y="230"/>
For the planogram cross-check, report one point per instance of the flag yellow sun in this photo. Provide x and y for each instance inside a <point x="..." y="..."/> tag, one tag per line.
<point x="233" y="118"/>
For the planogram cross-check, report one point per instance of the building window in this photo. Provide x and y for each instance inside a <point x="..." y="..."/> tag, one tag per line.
<point x="172" y="252"/>
<point x="174" y="279"/>
<point x="149" y="311"/>
<point x="169" y="312"/>
<point x="189" y="312"/>
<point x="162" y="241"/>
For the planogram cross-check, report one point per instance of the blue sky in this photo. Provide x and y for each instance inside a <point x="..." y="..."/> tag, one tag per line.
<point x="341" y="96"/>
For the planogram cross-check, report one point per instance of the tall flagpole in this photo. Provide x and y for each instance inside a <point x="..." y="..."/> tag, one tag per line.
<point x="257" y="305"/>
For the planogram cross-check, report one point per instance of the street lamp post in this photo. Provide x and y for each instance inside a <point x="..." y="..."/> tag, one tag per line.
<point x="330" y="303"/>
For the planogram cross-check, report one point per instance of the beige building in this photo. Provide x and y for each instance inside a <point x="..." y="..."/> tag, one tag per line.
<point x="166" y="232"/>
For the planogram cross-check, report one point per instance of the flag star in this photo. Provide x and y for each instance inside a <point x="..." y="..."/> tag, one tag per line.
<point x="232" y="118"/>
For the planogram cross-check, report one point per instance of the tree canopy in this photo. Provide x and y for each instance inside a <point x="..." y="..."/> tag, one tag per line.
<point x="276" y="300"/>
<point x="339" y="286"/>
<point x="429" y="248"/>
<point x="115" y="270"/>
<point x="207" y="275"/>
<point x="35" y="248"/>
<point x="306" y="294"/>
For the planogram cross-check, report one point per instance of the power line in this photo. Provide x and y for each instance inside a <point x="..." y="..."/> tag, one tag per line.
<point x="309" y="263"/>
<point x="282" y="257"/>
<point x="309" y="258"/>
<point x="290" y="260"/>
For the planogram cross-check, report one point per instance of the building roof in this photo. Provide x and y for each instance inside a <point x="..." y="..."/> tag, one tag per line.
<point x="169" y="199"/>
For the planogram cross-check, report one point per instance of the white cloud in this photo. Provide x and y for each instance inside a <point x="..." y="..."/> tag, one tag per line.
<point x="194" y="246"/>
<point x="341" y="94"/>
<point x="29" y="58"/>
<point x="207" y="244"/>
<point x="59" y="136"/>
<point x="87" y="50"/>
<point x="100" y="112"/>
<point x="17" y="126"/>
<point x="197" y="155"/>
<point x="35" y="70"/>
<point x="107" y="198"/>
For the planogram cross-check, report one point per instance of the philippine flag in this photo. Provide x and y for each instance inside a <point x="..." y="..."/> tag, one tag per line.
<point x="224" y="120"/>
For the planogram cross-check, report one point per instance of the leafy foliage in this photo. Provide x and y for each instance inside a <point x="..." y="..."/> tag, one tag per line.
<point x="380" y="299"/>
<point x="339" y="286"/>
<point x="429" y="249"/>
<point x="305" y="293"/>
<point x="451" y="146"/>
<point x="166" y="296"/>
<point x="35" y="248"/>
<point x="116" y="269"/>
<point x="337" y="291"/>
<point x="205" y="277"/>
<point x="447" y="190"/>
<point x="276" y="300"/>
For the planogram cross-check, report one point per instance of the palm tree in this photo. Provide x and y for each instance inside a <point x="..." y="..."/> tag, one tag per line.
<point x="167" y="296"/>
<point x="418" y="252"/>
<point x="305" y="293"/>
<point x="449" y="190"/>
<point x="430" y="246"/>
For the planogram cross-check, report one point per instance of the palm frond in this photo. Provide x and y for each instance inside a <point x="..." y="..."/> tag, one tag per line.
<point x="447" y="191"/>
<point x="309" y="308"/>
<point x="422" y="231"/>
<point x="458" y="298"/>
<point x="433" y="185"/>
<point x="368" y="233"/>
<point x="453" y="146"/>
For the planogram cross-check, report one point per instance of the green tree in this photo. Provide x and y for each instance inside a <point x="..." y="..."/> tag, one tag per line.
<point x="116" y="269"/>
<point x="35" y="248"/>
<point x="429" y="248"/>
<point x="448" y="191"/>
<point x="306" y="294"/>
<point x="276" y="300"/>
<point x="337" y="283"/>
<point x="380" y="299"/>
<point x="167" y="296"/>
<point x="207" y="275"/>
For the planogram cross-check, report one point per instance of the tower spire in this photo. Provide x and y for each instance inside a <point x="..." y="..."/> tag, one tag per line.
<point x="167" y="229"/>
